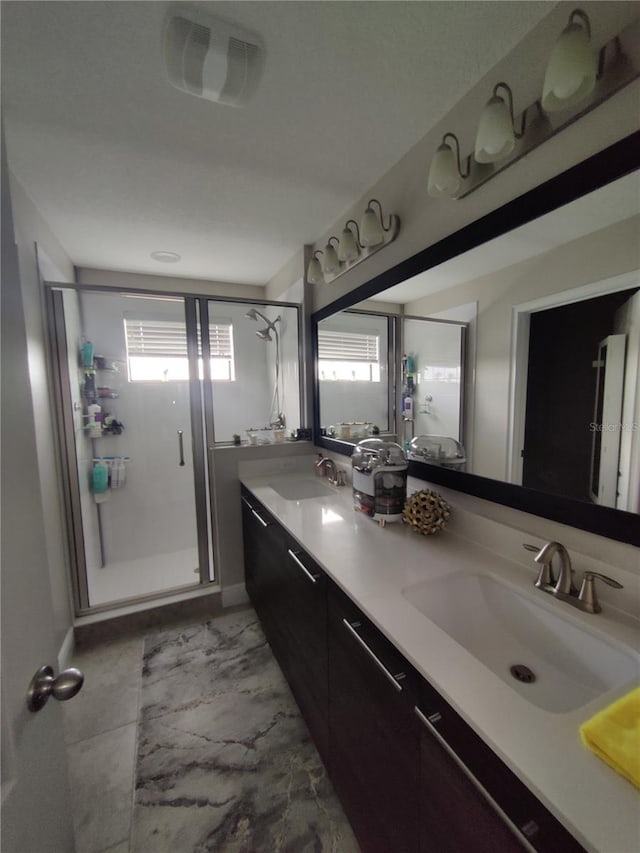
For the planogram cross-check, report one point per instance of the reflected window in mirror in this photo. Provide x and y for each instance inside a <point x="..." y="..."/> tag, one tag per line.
<point x="353" y="373"/>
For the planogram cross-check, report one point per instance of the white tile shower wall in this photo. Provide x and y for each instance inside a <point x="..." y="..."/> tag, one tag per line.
<point x="289" y="364"/>
<point x="154" y="513"/>
<point x="433" y="346"/>
<point x="244" y="403"/>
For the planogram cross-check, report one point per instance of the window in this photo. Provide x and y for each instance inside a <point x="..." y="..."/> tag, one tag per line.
<point x="157" y="351"/>
<point x="348" y="356"/>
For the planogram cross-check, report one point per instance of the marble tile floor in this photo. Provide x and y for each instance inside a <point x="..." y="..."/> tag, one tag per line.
<point x="102" y="729"/>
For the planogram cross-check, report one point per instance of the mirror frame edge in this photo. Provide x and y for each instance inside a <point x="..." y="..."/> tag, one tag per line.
<point x="602" y="168"/>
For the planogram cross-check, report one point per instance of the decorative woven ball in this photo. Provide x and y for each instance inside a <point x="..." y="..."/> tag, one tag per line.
<point x="426" y="511"/>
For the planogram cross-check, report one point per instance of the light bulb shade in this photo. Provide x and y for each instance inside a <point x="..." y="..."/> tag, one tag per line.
<point x="314" y="272"/>
<point x="371" y="231"/>
<point x="330" y="261"/>
<point x="572" y="70"/>
<point x="495" y="138"/>
<point x="347" y="247"/>
<point x="444" y="177"/>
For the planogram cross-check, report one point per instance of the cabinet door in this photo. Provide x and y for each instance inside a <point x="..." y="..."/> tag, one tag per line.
<point x="469" y="799"/>
<point x="454" y="816"/>
<point x="303" y="609"/>
<point x="373" y="732"/>
<point x="263" y="540"/>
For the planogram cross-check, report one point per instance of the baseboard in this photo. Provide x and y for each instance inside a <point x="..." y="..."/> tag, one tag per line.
<point x="234" y="595"/>
<point x="66" y="649"/>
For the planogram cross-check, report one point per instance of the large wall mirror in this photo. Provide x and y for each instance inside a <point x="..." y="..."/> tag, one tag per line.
<point x="546" y="292"/>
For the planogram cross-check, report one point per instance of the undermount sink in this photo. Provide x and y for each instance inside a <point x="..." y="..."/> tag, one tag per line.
<point x="508" y="631"/>
<point x="300" y="490"/>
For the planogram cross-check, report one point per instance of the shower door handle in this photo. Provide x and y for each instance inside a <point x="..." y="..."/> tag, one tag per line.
<point x="180" y="448"/>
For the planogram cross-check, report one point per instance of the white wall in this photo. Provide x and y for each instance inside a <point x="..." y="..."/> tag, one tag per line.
<point x="31" y="231"/>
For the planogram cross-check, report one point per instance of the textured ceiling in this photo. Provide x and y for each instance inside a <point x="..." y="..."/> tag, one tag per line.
<point x="121" y="164"/>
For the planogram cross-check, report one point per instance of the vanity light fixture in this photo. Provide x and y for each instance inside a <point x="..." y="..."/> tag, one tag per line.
<point x="330" y="261"/>
<point x="372" y="227"/>
<point x="445" y="174"/>
<point x="573" y="66"/>
<point x="578" y="79"/>
<point x="356" y="243"/>
<point x="349" y="245"/>
<point x="314" y="270"/>
<point x="496" y="137"/>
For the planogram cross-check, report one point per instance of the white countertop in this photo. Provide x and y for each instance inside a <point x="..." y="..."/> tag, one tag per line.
<point x="373" y="565"/>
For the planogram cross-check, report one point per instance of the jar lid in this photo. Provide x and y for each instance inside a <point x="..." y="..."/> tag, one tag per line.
<point x="376" y="452"/>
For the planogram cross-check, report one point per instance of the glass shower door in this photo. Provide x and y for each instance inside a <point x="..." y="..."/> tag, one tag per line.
<point x="132" y="409"/>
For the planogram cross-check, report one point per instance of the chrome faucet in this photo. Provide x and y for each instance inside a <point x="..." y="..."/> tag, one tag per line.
<point x="336" y="476"/>
<point x="564" y="588"/>
<point x="564" y="585"/>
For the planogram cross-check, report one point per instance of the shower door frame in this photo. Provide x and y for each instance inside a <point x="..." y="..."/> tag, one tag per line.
<point x="196" y="311"/>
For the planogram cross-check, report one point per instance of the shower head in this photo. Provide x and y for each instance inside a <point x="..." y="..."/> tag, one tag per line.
<point x="252" y="314"/>
<point x="264" y="335"/>
<point x="255" y="315"/>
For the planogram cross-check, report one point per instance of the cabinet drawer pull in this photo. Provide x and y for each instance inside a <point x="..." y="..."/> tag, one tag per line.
<point x="260" y="519"/>
<point x="245" y="501"/>
<point x="351" y="627"/>
<point x="529" y="828"/>
<point x="294" y="557"/>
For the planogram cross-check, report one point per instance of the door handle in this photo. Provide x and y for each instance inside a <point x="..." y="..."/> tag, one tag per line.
<point x="180" y="448"/>
<point x="64" y="686"/>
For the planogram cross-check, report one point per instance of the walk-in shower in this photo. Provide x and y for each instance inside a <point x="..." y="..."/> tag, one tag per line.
<point x="149" y="387"/>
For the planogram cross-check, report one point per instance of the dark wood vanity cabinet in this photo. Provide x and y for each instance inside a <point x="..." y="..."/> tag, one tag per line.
<point x="412" y="775"/>
<point x="373" y="732"/>
<point x="289" y="592"/>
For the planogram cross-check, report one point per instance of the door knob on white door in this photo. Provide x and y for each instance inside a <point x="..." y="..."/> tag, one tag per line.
<point x="43" y="684"/>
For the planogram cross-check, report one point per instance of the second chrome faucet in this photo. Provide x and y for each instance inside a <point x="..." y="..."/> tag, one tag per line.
<point x="564" y="588"/>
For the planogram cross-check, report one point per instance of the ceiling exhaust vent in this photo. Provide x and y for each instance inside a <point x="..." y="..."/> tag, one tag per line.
<point x="210" y="58"/>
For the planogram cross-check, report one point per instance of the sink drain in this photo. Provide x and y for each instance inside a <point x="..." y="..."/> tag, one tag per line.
<point x="522" y="673"/>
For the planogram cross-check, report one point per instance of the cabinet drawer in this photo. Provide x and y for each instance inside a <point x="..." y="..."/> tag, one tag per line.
<point x="459" y="767"/>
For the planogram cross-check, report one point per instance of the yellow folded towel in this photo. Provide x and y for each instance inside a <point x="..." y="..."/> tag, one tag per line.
<point x="614" y="735"/>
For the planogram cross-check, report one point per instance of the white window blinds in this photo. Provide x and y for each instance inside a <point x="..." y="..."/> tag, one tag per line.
<point x="169" y="338"/>
<point x="348" y="346"/>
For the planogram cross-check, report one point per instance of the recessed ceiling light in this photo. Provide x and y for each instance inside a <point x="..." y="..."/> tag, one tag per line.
<point x="165" y="257"/>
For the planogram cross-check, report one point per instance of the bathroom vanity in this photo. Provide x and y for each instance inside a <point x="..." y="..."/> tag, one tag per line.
<point x="427" y="747"/>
